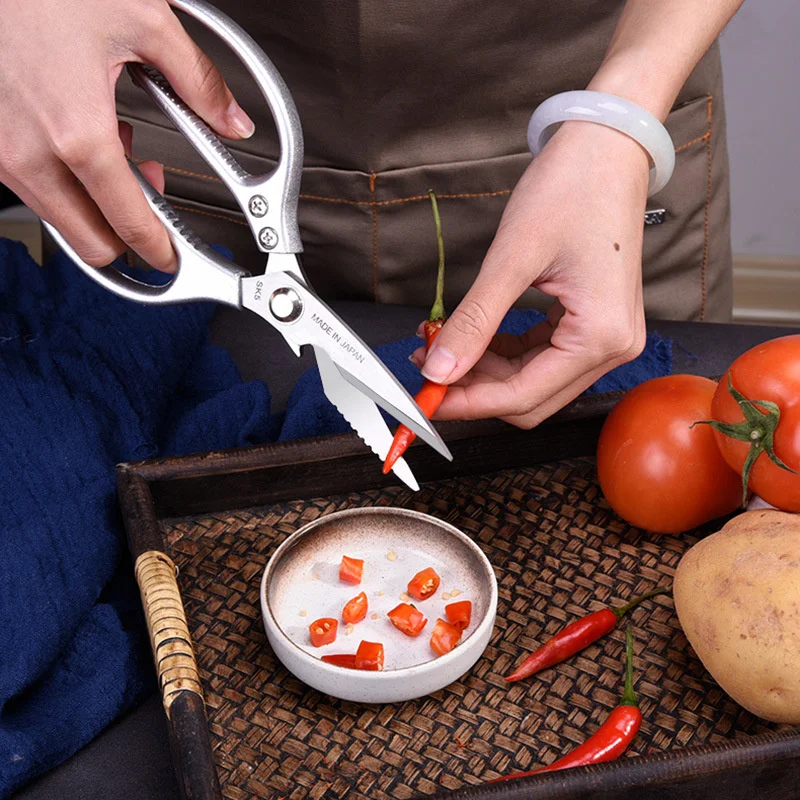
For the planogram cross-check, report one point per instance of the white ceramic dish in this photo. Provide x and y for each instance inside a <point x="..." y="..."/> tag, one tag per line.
<point x="395" y="543"/>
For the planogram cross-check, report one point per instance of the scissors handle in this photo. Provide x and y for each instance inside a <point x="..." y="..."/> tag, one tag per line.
<point x="202" y="274"/>
<point x="269" y="202"/>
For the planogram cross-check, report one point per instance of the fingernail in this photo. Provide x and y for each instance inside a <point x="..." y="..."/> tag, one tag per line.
<point x="239" y="120"/>
<point x="415" y="360"/>
<point x="439" y="364"/>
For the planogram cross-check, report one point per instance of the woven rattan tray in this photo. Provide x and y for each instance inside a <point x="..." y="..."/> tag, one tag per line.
<point x="242" y="727"/>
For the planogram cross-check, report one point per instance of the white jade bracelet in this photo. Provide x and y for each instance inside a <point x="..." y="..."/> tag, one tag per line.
<point x="614" y="112"/>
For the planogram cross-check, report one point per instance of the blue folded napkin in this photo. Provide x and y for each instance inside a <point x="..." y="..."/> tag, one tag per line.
<point x="88" y="380"/>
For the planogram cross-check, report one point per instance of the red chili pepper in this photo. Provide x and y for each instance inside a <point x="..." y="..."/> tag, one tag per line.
<point x="612" y="738"/>
<point x="459" y="614"/>
<point x="323" y="631"/>
<point x="575" y="637"/>
<point x="424" y="584"/>
<point x="341" y="660"/>
<point x="351" y="569"/>
<point x="356" y="609"/>
<point x="369" y="656"/>
<point x="444" y="637"/>
<point x="407" y="619"/>
<point x="430" y="396"/>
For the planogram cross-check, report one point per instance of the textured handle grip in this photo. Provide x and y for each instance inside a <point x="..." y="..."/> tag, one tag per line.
<point x="202" y="274"/>
<point x="269" y="202"/>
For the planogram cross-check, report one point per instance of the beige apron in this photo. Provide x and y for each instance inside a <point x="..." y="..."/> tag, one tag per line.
<point x="398" y="98"/>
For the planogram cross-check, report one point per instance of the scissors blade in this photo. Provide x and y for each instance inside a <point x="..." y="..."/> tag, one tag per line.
<point x="362" y="415"/>
<point x="293" y="309"/>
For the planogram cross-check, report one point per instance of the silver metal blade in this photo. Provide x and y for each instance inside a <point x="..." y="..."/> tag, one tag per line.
<point x="362" y="415"/>
<point x="302" y="318"/>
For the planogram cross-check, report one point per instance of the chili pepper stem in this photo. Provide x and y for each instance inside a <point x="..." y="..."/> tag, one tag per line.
<point x="628" y="695"/>
<point x="620" y="612"/>
<point x="437" y="309"/>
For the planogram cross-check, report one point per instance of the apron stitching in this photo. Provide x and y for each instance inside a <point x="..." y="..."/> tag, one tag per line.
<point x="706" y="248"/>
<point x="208" y="214"/>
<point x="702" y="138"/>
<point x="372" y="178"/>
<point x="324" y="199"/>
<point x="706" y="243"/>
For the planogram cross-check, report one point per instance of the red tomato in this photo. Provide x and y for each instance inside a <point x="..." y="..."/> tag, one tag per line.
<point x="656" y="470"/>
<point x="459" y="614"/>
<point x="407" y="619"/>
<point x="323" y="631"/>
<point x="351" y="569"/>
<point x="369" y="656"/>
<point x="444" y="637"/>
<point x="356" y="609"/>
<point x="341" y="660"/>
<point x="771" y="372"/>
<point x="424" y="584"/>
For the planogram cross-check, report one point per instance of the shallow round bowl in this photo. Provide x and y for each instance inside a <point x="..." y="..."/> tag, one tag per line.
<point x="301" y="584"/>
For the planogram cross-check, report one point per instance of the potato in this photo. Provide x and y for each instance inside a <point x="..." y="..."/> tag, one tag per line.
<point x="737" y="594"/>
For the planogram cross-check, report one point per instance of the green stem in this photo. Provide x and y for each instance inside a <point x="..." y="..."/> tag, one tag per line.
<point x="437" y="310"/>
<point x="628" y="695"/>
<point x="620" y="612"/>
<point x="761" y="418"/>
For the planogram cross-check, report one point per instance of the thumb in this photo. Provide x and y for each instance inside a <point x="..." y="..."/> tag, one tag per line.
<point x="198" y="82"/>
<point x="471" y="327"/>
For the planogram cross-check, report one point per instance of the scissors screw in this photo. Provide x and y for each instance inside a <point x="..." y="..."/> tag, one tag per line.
<point x="268" y="237"/>
<point x="285" y="304"/>
<point x="258" y="206"/>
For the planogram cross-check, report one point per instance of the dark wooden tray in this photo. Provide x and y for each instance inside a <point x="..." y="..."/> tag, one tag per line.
<point x="559" y="552"/>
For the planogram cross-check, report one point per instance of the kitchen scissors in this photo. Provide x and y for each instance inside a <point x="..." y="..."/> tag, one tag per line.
<point x="354" y="379"/>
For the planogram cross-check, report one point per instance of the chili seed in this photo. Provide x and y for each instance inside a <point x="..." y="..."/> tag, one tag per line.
<point x="304" y="613"/>
<point x="391" y="555"/>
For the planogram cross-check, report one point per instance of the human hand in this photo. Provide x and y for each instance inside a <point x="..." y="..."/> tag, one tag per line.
<point x="60" y="145"/>
<point x="573" y="228"/>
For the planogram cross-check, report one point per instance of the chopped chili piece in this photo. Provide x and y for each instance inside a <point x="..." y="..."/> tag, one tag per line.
<point x="356" y="609"/>
<point x="323" y="631"/>
<point x="575" y="637"/>
<point x="369" y="656"/>
<point x="341" y="660"/>
<point x="459" y="614"/>
<point x="424" y="584"/>
<point x="351" y="569"/>
<point x="612" y="737"/>
<point x="407" y="619"/>
<point x="444" y="637"/>
<point x="430" y="396"/>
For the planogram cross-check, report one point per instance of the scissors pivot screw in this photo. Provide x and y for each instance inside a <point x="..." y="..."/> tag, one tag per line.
<point x="268" y="238"/>
<point x="285" y="305"/>
<point x="258" y="206"/>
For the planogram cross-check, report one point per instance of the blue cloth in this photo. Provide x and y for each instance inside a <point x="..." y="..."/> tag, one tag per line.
<point x="88" y="380"/>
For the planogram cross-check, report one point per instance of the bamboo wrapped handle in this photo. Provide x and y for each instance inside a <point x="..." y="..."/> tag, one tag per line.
<point x="176" y="665"/>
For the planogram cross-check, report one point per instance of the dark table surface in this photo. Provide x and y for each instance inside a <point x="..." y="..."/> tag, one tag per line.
<point x="131" y="759"/>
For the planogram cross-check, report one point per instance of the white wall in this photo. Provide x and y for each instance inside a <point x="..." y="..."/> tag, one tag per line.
<point x="761" y="62"/>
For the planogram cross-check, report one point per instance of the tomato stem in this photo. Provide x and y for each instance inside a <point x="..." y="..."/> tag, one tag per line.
<point x="437" y="310"/>
<point x="761" y="418"/>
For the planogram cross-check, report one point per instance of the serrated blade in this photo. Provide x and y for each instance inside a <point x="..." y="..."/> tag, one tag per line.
<point x="362" y="414"/>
